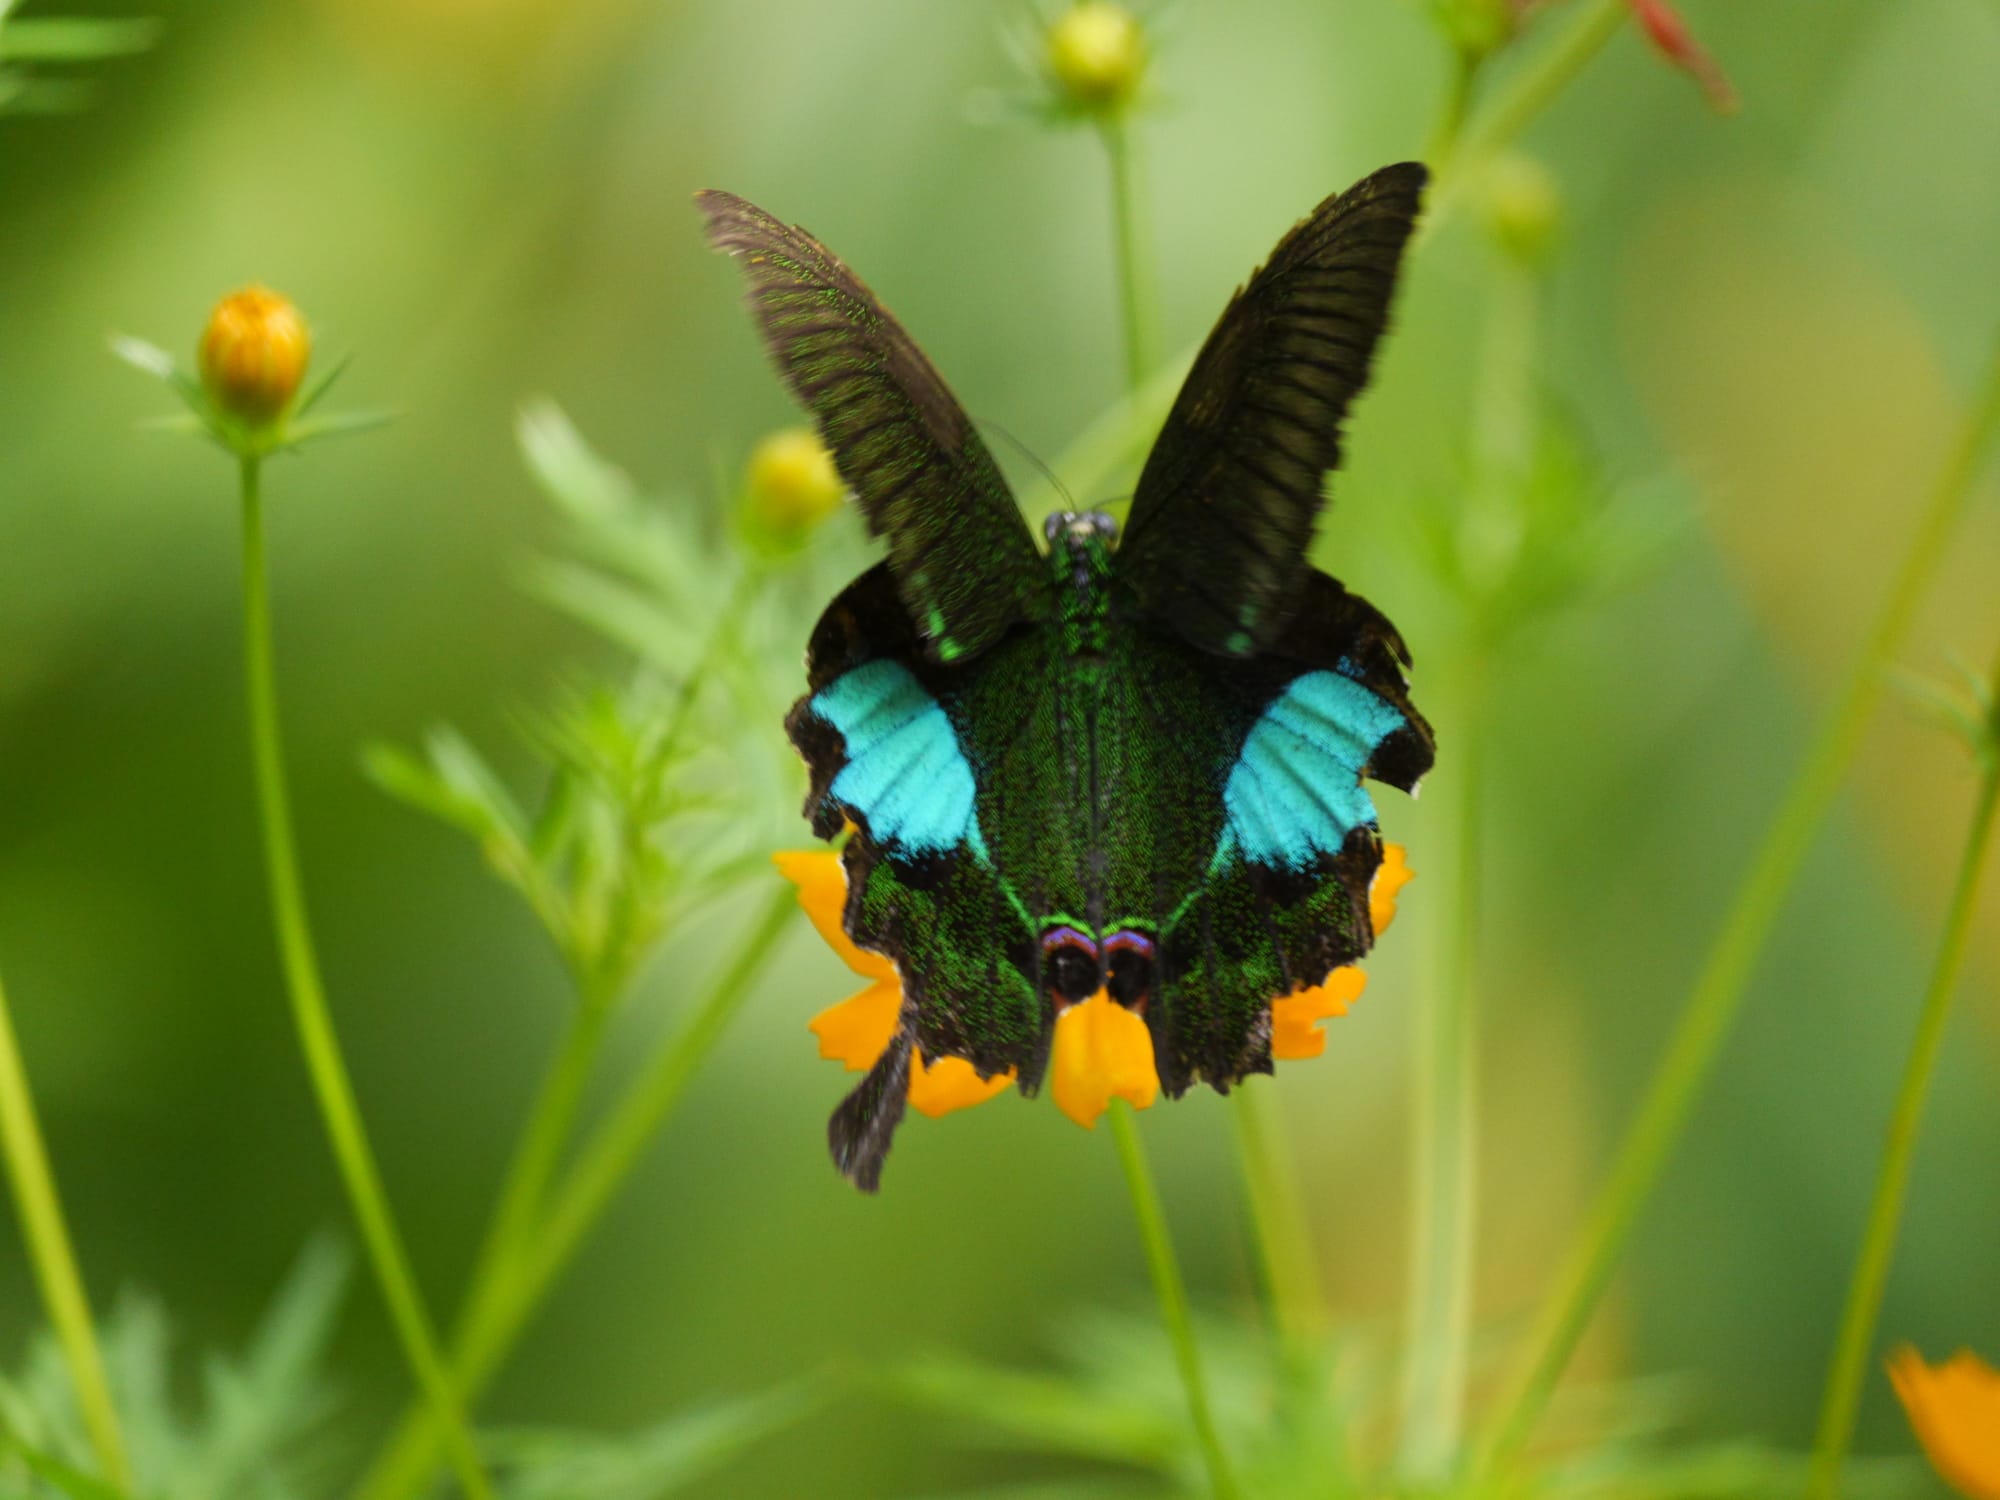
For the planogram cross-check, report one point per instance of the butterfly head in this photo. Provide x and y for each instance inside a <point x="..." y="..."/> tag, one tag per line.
<point x="1080" y="545"/>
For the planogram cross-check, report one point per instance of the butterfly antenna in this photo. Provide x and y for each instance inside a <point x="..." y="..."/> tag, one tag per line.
<point x="1055" y="483"/>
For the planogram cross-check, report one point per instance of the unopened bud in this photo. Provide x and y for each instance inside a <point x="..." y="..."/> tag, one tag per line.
<point x="253" y="355"/>
<point x="1097" y="54"/>
<point x="791" y="485"/>
<point x="1524" y="207"/>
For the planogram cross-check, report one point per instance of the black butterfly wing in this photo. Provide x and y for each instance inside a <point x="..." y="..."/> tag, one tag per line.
<point x="1223" y="516"/>
<point x="965" y="565"/>
<point x="890" y="759"/>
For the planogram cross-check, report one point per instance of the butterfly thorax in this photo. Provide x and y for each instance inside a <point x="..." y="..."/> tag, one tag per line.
<point x="1080" y="545"/>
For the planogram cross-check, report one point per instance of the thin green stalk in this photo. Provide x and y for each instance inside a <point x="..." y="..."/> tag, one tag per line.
<point x="1526" y="96"/>
<point x="1712" y="1005"/>
<point x="339" y="1111"/>
<point x="1450" y="127"/>
<point x="1135" y="286"/>
<point x="1172" y="1292"/>
<point x="1278" y="1217"/>
<point x="500" y="1308"/>
<point x="1878" y="1245"/>
<point x="47" y="1235"/>
<point x="1445" y="1197"/>
<point x="551" y="1119"/>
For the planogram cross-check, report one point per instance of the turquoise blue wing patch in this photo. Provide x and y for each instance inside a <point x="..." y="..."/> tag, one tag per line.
<point x="1295" y="793"/>
<point x="906" y="778"/>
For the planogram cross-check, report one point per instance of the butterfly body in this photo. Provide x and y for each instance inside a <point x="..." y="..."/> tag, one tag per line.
<point x="1130" y="764"/>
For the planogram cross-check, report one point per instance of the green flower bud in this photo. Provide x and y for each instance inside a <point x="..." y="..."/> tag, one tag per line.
<point x="1523" y="208"/>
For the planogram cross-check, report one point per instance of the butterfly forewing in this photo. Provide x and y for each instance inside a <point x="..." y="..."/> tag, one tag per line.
<point x="965" y="564"/>
<point x="1223" y="516"/>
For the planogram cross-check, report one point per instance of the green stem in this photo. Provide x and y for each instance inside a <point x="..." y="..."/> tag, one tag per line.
<point x="1134" y="284"/>
<point x="1277" y="1214"/>
<point x="56" y="1273"/>
<point x="1526" y="96"/>
<point x="539" y="1153"/>
<point x="1712" y="1005"/>
<point x="1446" y="1155"/>
<point x="1450" y="127"/>
<point x="1878" y="1246"/>
<point x="1172" y="1292"/>
<point x="499" y="1308"/>
<point x="339" y="1111"/>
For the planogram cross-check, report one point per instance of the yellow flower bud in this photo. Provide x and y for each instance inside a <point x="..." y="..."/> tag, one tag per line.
<point x="1523" y="207"/>
<point x="791" y="485"/>
<point x="253" y="354"/>
<point x="1097" y="54"/>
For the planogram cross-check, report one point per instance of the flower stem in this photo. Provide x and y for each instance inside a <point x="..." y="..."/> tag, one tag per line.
<point x="56" y="1273"/>
<point x="1712" y="1005"/>
<point x="1450" y="127"/>
<point x="1527" y="95"/>
<point x="338" y="1109"/>
<point x="1134" y="284"/>
<point x="1445" y="1196"/>
<point x="1277" y="1213"/>
<point x="1878" y="1245"/>
<point x="500" y="1305"/>
<point x="1172" y="1292"/>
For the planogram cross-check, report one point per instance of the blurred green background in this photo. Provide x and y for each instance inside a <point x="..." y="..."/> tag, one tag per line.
<point x="1771" y="319"/>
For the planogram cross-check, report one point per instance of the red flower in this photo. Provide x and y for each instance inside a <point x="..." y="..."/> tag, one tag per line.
<point x="1670" y="34"/>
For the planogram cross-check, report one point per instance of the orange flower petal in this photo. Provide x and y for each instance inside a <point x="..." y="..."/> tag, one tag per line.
<point x="1390" y="877"/>
<point x="938" y="1088"/>
<point x="1101" y="1051"/>
<point x="822" y="884"/>
<point x="1295" y="1018"/>
<point x="1955" y="1409"/>
<point x="857" y="1030"/>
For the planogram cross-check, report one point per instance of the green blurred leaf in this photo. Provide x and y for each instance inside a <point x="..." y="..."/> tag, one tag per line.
<point x="1048" y="1412"/>
<point x="74" y="39"/>
<point x="581" y="483"/>
<point x="660" y="1461"/>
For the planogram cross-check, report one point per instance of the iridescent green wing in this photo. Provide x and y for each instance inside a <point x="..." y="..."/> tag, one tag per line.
<point x="965" y="565"/>
<point x="1223" y="516"/>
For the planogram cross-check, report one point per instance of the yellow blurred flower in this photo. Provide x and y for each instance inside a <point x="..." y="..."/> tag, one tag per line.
<point x="1101" y="1050"/>
<point x="253" y="355"/>
<point x="1097" y="54"/>
<point x="1955" y="1409"/>
<point x="790" y="485"/>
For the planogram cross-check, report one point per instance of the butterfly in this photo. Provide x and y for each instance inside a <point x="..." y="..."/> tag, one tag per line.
<point x="1122" y="762"/>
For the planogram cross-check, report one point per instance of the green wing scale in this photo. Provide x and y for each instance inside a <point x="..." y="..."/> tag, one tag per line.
<point x="1135" y="767"/>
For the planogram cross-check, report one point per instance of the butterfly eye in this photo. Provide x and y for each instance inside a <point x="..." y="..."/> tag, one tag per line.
<point x="1069" y="964"/>
<point x="1129" y="968"/>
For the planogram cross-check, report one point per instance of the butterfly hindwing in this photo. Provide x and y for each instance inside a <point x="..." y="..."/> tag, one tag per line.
<point x="1223" y="516"/>
<point x="1278" y="746"/>
<point x="965" y="565"/>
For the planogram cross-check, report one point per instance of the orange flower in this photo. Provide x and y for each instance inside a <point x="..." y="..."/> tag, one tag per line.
<point x="1295" y="1018"/>
<point x="1955" y="1409"/>
<point x="1101" y="1050"/>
